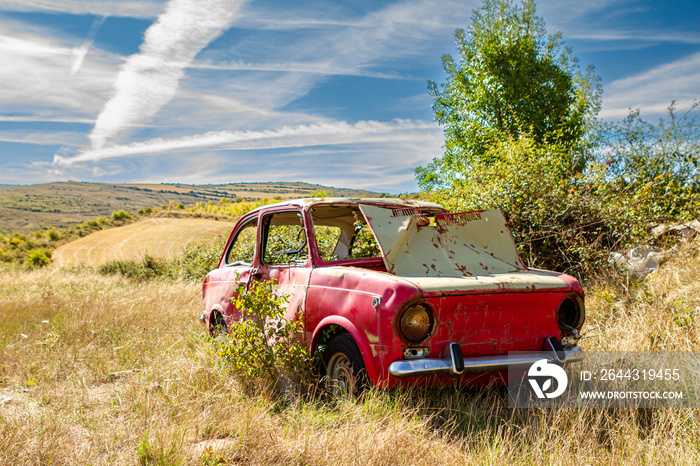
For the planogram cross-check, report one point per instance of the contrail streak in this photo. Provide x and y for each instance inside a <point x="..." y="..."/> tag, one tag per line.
<point x="307" y="135"/>
<point x="87" y="43"/>
<point x="150" y="79"/>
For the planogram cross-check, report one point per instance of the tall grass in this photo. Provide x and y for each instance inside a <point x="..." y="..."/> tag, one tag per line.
<point x="102" y="369"/>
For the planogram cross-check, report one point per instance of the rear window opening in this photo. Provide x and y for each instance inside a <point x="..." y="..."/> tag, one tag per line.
<point x="343" y="236"/>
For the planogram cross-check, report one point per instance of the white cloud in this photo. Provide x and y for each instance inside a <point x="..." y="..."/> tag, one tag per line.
<point x="654" y="89"/>
<point x="43" y="138"/>
<point x="273" y="69"/>
<point x="44" y="118"/>
<point x="138" y="9"/>
<point x="373" y="155"/>
<point x="150" y="79"/>
<point x="560" y="13"/>
<point x="299" y="136"/>
<point x="644" y="37"/>
<point x="402" y="29"/>
<point x="319" y="67"/>
<point x="35" y="72"/>
<point x="379" y="166"/>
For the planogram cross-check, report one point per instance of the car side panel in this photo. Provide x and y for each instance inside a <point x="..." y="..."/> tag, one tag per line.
<point x="346" y="296"/>
<point x="291" y="282"/>
<point x="218" y="289"/>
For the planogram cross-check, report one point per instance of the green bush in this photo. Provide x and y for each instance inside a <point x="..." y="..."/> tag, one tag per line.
<point x="38" y="258"/>
<point x="656" y="167"/>
<point x="570" y="221"/>
<point x="120" y="267"/>
<point x="53" y="235"/>
<point x="197" y="259"/>
<point x="194" y="262"/>
<point x="552" y="213"/>
<point x="149" y="268"/>
<point x="121" y="215"/>
<point x="16" y="242"/>
<point x="263" y="348"/>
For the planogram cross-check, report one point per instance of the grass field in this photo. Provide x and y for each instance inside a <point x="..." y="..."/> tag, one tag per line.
<point x="158" y="237"/>
<point x="103" y="370"/>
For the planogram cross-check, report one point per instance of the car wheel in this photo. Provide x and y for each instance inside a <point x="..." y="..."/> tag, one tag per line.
<point x="218" y="326"/>
<point x="345" y="372"/>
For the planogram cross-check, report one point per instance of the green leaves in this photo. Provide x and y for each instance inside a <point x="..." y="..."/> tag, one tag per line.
<point x="570" y="220"/>
<point x="263" y="345"/>
<point x="512" y="80"/>
<point x="38" y="258"/>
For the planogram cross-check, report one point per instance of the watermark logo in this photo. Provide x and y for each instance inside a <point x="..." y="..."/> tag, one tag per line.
<point x="604" y="380"/>
<point x="540" y="376"/>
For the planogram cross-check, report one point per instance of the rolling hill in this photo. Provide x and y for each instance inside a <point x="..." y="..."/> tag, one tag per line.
<point x="63" y="205"/>
<point x="158" y="237"/>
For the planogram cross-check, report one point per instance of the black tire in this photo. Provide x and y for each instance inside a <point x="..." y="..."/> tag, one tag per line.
<point x="343" y="368"/>
<point x="218" y="325"/>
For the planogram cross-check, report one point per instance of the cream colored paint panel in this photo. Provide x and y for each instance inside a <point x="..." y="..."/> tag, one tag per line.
<point x="530" y="280"/>
<point x="465" y="244"/>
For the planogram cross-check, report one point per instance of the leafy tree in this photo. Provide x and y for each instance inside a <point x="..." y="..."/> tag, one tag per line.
<point x="517" y="113"/>
<point x="512" y="80"/>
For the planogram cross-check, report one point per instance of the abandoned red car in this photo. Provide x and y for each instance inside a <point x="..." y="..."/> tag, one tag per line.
<point x="401" y="292"/>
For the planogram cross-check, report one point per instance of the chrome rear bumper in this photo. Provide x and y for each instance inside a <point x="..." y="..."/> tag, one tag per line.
<point x="450" y="362"/>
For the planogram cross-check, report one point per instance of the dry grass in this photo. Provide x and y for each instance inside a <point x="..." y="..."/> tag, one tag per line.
<point x="659" y="314"/>
<point x="158" y="237"/>
<point x="97" y="370"/>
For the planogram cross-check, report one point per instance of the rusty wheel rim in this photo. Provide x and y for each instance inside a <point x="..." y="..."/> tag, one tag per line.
<point x="341" y="374"/>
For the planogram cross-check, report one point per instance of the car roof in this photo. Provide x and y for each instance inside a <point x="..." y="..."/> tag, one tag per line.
<point x="307" y="203"/>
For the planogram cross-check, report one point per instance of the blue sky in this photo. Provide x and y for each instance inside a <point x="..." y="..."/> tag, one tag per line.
<point x="330" y="92"/>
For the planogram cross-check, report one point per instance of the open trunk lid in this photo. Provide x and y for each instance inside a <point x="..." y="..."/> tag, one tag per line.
<point x="461" y="253"/>
<point x="466" y="244"/>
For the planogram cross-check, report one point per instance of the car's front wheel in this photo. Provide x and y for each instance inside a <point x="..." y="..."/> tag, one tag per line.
<point x="218" y="326"/>
<point x="344" y="369"/>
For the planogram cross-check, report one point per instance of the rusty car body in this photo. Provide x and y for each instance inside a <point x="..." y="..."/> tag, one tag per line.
<point x="400" y="292"/>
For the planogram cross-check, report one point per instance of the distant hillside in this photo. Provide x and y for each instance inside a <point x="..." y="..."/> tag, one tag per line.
<point x="63" y="205"/>
<point x="291" y="190"/>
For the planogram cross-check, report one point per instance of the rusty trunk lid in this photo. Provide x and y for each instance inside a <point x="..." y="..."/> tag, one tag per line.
<point x="461" y="253"/>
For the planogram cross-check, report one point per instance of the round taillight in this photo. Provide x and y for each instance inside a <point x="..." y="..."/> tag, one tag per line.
<point x="571" y="313"/>
<point x="416" y="323"/>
